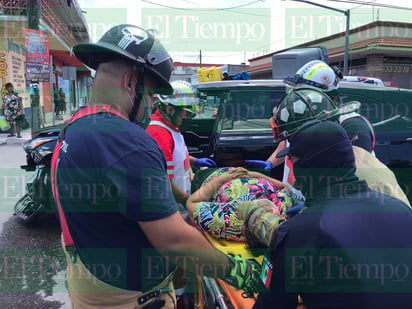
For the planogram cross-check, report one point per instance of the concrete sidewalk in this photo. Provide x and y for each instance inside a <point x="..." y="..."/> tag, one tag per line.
<point x="25" y="136"/>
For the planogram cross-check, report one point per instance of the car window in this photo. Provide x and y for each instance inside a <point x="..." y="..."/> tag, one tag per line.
<point x="249" y="109"/>
<point x="209" y="103"/>
<point x="388" y="110"/>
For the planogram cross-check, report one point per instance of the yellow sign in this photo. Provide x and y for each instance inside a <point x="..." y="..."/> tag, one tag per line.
<point x="3" y="73"/>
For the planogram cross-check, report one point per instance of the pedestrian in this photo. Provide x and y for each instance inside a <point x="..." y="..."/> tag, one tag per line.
<point x="62" y="101"/>
<point x="12" y="108"/>
<point x="56" y="99"/>
<point x="110" y="183"/>
<point x="165" y="128"/>
<point x="334" y="252"/>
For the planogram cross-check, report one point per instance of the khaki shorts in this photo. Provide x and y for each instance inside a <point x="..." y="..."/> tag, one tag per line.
<point x="87" y="292"/>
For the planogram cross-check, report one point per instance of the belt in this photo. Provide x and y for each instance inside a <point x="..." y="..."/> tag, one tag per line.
<point x="145" y="297"/>
<point x="162" y="287"/>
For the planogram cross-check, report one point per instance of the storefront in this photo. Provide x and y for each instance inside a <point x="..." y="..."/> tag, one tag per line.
<point x="38" y="61"/>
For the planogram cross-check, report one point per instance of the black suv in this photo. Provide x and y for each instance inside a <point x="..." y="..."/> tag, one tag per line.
<point x="233" y="124"/>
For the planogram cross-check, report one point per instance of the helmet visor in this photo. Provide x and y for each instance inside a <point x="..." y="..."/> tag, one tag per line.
<point x="275" y="129"/>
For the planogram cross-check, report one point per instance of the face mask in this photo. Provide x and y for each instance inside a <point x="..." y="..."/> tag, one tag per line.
<point x="186" y="125"/>
<point x="147" y="117"/>
<point x="147" y="114"/>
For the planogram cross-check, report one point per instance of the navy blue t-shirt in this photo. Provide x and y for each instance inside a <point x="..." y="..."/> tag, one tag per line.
<point x="349" y="252"/>
<point x="110" y="175"/>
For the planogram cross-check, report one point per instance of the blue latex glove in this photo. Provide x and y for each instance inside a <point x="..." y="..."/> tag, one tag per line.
<point x="295" y="209"/>
<point x="265" y="165"/>
<point x="205" y="162"/>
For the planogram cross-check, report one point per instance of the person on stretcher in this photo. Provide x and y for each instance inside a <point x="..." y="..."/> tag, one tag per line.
<point x="212" y="207"/>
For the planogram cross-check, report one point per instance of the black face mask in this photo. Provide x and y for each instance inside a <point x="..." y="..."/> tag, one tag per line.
<point x="324" y="169"/>
<point x="186" y="125"/>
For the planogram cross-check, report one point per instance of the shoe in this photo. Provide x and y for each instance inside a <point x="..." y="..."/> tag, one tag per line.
<point x="19" y="136"/>
<point x="11" y="135"/>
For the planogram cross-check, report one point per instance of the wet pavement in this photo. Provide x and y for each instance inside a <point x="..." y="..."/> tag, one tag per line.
<point x="32" y="264"/>
<point x="32" y="267"/>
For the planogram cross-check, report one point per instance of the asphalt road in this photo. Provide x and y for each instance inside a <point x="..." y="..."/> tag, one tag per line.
<point x="32" y="264"/>
<point x="32" y="273"/>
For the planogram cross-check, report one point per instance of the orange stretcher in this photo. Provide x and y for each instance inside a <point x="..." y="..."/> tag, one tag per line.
<point x="225" y="293"/>
<point x="220" y="292"/>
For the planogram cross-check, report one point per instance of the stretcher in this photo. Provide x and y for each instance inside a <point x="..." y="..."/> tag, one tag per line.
<point x="215" y="293"/>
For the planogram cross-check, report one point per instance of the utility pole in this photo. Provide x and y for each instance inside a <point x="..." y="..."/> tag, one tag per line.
<point x="347" y="14"/>
<point x="33" y="16"/>
<point x="200" y="57"/>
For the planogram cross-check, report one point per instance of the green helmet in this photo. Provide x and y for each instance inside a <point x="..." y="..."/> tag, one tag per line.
<point x="183" y="97"/>
<point x="302" y="105"/>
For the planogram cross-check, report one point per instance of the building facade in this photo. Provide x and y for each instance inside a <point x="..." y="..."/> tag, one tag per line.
<point x="380" y="49"/>
<point x="62" y="25"/>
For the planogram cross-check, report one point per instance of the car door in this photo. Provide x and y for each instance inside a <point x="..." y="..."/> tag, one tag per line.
<point x="197" y="131"/>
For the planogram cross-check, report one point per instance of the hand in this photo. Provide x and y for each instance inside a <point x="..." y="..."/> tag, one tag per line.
<point x="297" y="196"/>
<point x="265" y="165"/>
<point x="245" y="275"/>
<point x="238" y="172"/>
<point x="205" y="162"/>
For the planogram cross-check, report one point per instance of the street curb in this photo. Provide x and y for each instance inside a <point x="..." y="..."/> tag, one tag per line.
<point x="15" y="140"/>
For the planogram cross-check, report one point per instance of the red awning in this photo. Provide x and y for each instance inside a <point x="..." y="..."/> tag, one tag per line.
<point x="64" y="58"/>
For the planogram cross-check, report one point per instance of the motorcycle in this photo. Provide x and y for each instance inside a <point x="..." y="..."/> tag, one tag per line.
<point x="38" y="201"/>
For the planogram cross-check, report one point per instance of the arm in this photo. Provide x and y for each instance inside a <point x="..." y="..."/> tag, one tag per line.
<point x="277" y="161"/>
<point x="179" y="195"/>
<point x="206" y="191"/>
<point x="259" y="221"/>
<point x="192" y="160"/>
<point x="173" y="237"/>
<point x="187" y="248"/>
<point x="20" y="101"/>
<point x="271" y="162"/>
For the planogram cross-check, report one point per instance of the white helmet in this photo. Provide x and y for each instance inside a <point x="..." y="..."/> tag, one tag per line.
<point x="183" y="96"/>
<point x="316" y="74"/>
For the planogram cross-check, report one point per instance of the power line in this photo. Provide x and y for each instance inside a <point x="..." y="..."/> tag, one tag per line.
<point x="372" y="3"/>
<point x="195" y="9"/>
<point x="190" y="2"/>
